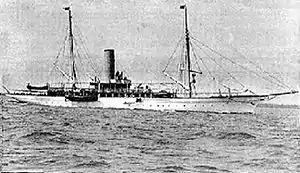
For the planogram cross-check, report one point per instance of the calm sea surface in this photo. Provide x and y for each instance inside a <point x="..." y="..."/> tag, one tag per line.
<point x="52" y="139"/>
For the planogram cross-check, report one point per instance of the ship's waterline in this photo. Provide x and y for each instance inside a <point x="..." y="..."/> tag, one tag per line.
<point x="222" y="105"/>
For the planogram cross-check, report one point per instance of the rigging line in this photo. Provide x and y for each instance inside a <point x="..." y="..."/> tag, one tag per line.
<point x="77" y="28"/>
<point x="224" y="57"/>
<point x="62" y="76"/>
<point x="209" y="72"/>
<point x="78" y="54"/>
<point x="235" y="50"/>
<point x="80" y="61"/>
<point x="194" y="53"/>
<point x="182" y="55"/>
<point x="62" y="48"/>
<point x="193" y="50"/>
<point x="65" y="40"/>
<point x="64" y="43"/>
<point x="81" y="35"/>
<point x="223" y="69"/>
<point x="182" y="52"/>
<point x="85" y="53"/>
<point x="83" y="45"/>
<point x="182" y="64"/>
<point x="122" y="68"/>
<point x="271" y="76"/>
<point x="88" y="57"/>
<point x="172" y="55"/>
<point x="197" y="63"/>
<point x="58" y="54"/>
<point x="78" y="45"/>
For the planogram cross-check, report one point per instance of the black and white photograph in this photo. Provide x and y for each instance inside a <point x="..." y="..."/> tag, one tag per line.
<point x="154" y="86"/>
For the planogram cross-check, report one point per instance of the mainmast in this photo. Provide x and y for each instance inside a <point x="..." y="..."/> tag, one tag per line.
<point x="72" y="58"/>
<point x="187" y="39"/>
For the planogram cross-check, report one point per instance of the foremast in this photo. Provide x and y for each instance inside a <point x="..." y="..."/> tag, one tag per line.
<point x="71" y="39"/>
<point x="187" y="39"/>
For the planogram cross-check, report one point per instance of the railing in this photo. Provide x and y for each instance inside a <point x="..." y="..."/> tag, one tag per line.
<point x="69" y="85"/>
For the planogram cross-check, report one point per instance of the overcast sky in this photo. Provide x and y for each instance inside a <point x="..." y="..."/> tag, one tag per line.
<point x="144" y="35"/>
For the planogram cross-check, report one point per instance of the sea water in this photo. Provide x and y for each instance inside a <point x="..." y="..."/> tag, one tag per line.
<point x="55" y="139"/>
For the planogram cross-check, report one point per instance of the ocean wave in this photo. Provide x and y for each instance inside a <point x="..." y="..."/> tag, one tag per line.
<point x="171" y="168"/>
<point x="210" y="168"/>
<point x="55" y="137"/>
<point x="41" y="134"/>
<point x="236" y="136"/>
<point x="92" y="163"/>
<point x="262" y="162"/>
<point x="143" y="137"/>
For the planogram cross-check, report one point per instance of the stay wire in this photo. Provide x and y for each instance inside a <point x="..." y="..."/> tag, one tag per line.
<point x="271" y="76"/>
<point x="194" y="52"/>
<point x="87" y="52"/>
<point x="80" y="45"/>
<point x="172" y="55"/>
<point x="212" y="59"/>
<point x="257" y="66"/>
<point x="83" y="36"/>
<point x="209" y="72"/>
<point x="224" y="57"/>
<point x="122" y="68"/>
<point x="197" y="63"/>
<point x="62" y="49"/>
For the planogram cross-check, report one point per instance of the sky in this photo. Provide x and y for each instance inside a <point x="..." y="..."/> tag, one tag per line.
<point x="144" y="35"/>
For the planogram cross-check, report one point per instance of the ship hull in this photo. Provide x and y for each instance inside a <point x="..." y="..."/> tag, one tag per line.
<point x="206" y="104"/>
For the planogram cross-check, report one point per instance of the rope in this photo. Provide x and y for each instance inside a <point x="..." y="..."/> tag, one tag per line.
<point x="224" y="57"/>
<point x="222" y="68"/>
<point x="123" y="69"/>
<point x="209" y="72"/>
<point x="81" y="35"/>
<point x="277" y="80"/>
<point x="180" y="64"/>
<point x="197" y="63"/>
<point x="86" y="50"/>
<point x="86" y="55"/>
<point x="58" y="54"/>
<point x="234" y="49"/>
<point x="171" y="57"/>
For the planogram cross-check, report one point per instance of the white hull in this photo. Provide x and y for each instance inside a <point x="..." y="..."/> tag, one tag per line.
<point x="221" y="105"/>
